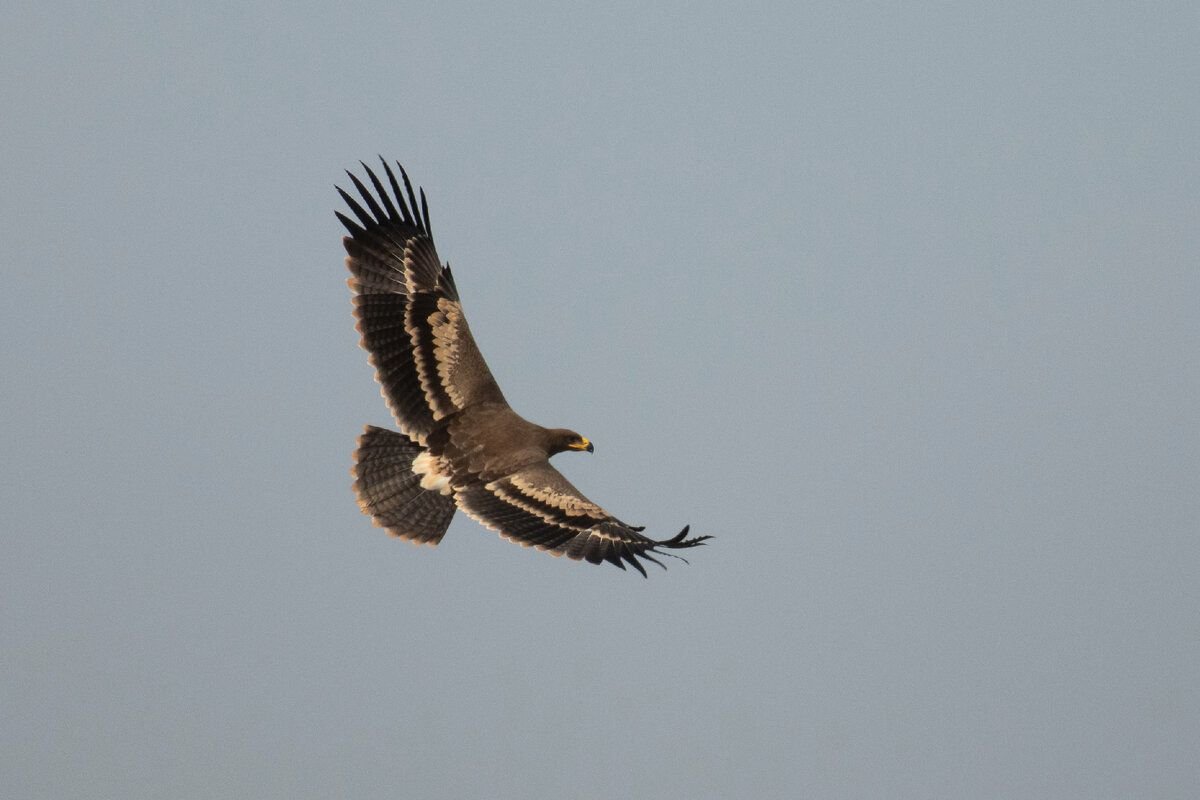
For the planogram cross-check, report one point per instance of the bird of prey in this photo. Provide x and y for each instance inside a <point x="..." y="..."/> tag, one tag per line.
<point x="460" y="445"/>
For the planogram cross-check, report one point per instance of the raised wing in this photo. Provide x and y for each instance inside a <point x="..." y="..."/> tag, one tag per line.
<point x="538" y="507"/>
<point x="412" y="324"/>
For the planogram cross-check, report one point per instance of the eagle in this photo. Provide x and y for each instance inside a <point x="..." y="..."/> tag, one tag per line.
<point x="460" y="445"/>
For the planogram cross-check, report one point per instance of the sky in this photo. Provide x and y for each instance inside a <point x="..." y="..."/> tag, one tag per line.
<point x="896" y="301"/>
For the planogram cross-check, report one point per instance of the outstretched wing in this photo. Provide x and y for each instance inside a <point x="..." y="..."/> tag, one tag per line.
<point x="538" y="507"/>
<point x="412" y="324"/>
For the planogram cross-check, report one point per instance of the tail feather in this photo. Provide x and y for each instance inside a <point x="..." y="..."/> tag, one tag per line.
<point x="390" y="492"/>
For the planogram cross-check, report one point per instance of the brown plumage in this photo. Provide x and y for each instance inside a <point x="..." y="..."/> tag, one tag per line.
<point x="460" y="444"/>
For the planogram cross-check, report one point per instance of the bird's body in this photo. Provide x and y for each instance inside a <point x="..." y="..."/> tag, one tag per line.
<point x="460" y="445"/>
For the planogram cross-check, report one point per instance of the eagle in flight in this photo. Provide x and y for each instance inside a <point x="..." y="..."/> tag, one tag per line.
<point x="460" y="445"/>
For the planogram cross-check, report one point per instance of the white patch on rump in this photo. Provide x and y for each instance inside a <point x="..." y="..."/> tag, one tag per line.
<point x="432" y="479"/>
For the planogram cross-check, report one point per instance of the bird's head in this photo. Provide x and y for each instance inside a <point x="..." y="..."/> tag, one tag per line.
<point x="562" y="439"/>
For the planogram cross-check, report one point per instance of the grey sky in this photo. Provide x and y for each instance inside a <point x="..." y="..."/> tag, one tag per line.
<point x="899" y="301"/>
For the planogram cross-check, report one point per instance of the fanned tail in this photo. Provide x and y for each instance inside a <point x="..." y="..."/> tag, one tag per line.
<point x="391" y="493"/>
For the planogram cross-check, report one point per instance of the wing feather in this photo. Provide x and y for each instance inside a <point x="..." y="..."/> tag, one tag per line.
<point x="407" y="307"/>
<point x="538" y="507"/>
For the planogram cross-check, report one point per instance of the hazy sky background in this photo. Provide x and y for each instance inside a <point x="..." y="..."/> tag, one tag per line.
<point x="899" y="301"/>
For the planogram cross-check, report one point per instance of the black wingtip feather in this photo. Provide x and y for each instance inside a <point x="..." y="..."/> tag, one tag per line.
<point x="405" y="214"/>
<point x="350" y="225"/>
<point x="412" y="197"/>
<point x="363" y="217"/>
<point x="382" y="192"/>
<point x="678" y="541"/>
<point x="614" y="558"/>
<point x="368" y="197"/>
<point x="646" y="555"/>
<point x="425" y="214"/>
